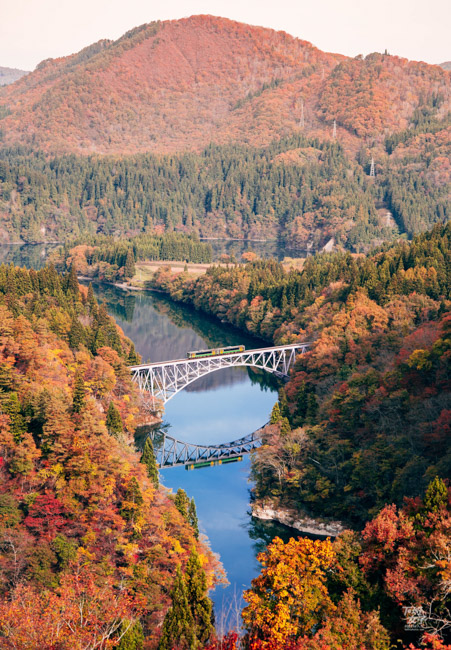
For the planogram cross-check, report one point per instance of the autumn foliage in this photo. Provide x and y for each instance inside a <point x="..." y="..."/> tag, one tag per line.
<point x="89" y="545"/>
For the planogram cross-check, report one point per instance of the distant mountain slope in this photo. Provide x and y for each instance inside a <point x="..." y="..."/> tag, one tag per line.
<point x="446" y="65"/>
<point x="10" y="75"/>
<point x="179" y="85"/>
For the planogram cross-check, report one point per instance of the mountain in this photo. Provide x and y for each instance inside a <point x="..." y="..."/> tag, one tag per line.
<point x="10" y="75"/>
<point x="211" y="126"/>
<point x="179" y="85"/>
<point x="446" y="65"/>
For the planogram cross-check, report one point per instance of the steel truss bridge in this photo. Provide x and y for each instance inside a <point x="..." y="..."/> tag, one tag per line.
<point x="170" y="452"/>
<point x="163" y="380"/>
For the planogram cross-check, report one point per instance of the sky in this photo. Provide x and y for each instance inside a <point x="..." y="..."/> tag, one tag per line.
<point x="33" y="30"/>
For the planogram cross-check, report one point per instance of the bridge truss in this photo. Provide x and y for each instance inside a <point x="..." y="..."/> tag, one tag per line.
<point x="164" y="380"/>
<point x="170" y="452"/>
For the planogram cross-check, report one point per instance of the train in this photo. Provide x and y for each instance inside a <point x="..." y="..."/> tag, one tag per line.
<point x="215" y="352"/>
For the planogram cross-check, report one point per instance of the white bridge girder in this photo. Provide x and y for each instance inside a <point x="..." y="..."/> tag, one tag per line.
<point x="164" y="380"/>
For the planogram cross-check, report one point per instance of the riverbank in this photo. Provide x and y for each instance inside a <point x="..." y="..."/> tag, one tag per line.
<point x="292" y="519"/>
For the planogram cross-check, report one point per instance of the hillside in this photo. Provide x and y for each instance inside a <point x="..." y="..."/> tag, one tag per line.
<point x="90" y="545"/>
<point x="369" y="402"/>
<point x="210" y="126"/>
<point x="179" y="85"/>
<point x="10" y="75"/>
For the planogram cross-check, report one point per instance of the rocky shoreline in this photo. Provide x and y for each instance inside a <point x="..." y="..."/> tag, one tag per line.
<point x="302" y="523"/>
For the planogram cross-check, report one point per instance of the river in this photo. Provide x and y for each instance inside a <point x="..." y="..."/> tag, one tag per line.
<point x="220" y="407"/>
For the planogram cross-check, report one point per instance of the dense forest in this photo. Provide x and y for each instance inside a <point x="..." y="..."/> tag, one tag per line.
<point x="251" y="135"/>
<point x="91" y="548"/>
<point x="300" y="190"/>
<point x="235" y="191"/>
<point x="108" y="259"/>
<point x="134" y="150"/>
<point x="95" y="554"/>
<point x="369" y="401"/>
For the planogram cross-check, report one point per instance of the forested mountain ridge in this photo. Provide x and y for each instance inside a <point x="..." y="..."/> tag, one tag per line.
<point x="179" y="85"/>
<point x="212" y="126"/>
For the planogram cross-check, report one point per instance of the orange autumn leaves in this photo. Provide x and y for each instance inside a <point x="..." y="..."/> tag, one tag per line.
<point x="289" y="597"/>
<point x="289" y="605"/>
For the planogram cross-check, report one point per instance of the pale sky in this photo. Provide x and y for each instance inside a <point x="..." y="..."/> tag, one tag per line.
<point x="33" y="30"/>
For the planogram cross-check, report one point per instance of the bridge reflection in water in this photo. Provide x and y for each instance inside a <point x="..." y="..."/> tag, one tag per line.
<point x="170" y="452"/>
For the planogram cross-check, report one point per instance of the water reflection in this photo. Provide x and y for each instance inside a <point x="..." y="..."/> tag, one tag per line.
<point x="163" y="330"/>
<point x="31" y="256"/>
<point x="217" y="408"/>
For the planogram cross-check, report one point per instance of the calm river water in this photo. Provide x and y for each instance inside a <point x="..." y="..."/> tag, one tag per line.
<point x="220" y="407"/>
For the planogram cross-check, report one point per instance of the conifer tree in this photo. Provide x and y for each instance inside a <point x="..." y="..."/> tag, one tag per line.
<point x="133" y="501"/>
<point x="284" y="427"/>
<point x="178" y="625"/>
<point x="78" y="398"/>
<point x="283" y="403"/>
<point x="312" y="408"/>
<point x="436" y="495"/>
<point x="10" y="405"/>
<point x="129" y="269"/>
<point x="133" y="356"/>
<point x="76" y="334"/>
<point x="276" y="416"/>
<point x="133" y="639"/>
<point x="91" y="299"/>
<point x="6" y="376"/>
<point x="113" y="420"/>
<point x="192" y="518"/>
<point x="302" y="401"/>
<point x="148" y="459"/>
<point x="199" y="603"/>
<point x="182" y="503"/>
<point x="72" y="282"/>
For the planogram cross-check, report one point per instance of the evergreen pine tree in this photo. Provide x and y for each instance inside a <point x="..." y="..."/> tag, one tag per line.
<point x="276" y="416"/>
<point x="312" y="408"/>
<point x="72" y="282"/>
<point x="436" y="495"/>
<point x="133" y="639"/>
<point x="78" y="397"/>
<point x="182" y="503"/>
<point x="6" y="376"/>
<point x="148" y="459"/>
<point x="133" y="356"/>
<point x="99" y="340"/>
<point x="192" y="518"/>
<point x="10" y="405"/>
<point x="129" y="269"/>
<point x="91" y="299"/>
<point x="178" y="624"/>
<point x="199" y="603"/>
<point x="76" y="334"/>
<point x="133" y="501"/>
<point x="113" y="420"/>
<point x="285" y="427"/>
<point x="283" y="403"/>
<point x="302" y="400"/>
